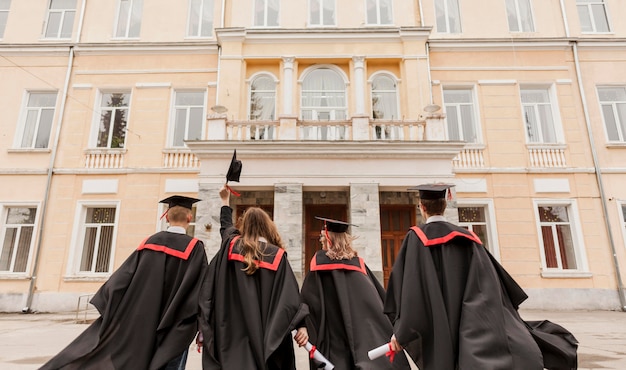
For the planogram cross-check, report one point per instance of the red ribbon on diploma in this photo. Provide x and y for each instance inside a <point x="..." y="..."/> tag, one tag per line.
<point x="391" y="353"/>
<point x="312" y="351"/>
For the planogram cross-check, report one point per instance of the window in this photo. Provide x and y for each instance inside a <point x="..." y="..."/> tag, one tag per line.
<point x="557" y="237"/>
<point x="613" y="105"/>
<point x="129" y="18"/>
<point x="97" y="234"/>
<point x="17" y="238"/>
<point x="323" y="96"/>
<point x="538" y="115"/>
<point x="200" y="23"/>
<point x="60" y="20"/>
<point x="384" y="98"/>
<point x="448" y="16"/>
<point x="461" y="115"/>
<point x="191" y="230"/>
<point x="322" y="12"/>
<point x="37" y="121"/>
<point x="378" y="12"/>
<point x="266" y="13"/>
<point x="476" y="218"/>
<point x="4" y="15"/>
<point x="520" y="16"/>
<point x="592" y="14"/>
<point x="113" y="120"/>
<point x="262" y="99"/>
<point x="188" y="117"/>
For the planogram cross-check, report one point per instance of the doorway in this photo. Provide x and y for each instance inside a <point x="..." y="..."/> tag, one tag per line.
<point x="395" y="221"/>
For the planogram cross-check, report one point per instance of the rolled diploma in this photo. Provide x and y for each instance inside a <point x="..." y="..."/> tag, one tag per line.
<point x="379" y="351"/>
<point x="317" y="355"/>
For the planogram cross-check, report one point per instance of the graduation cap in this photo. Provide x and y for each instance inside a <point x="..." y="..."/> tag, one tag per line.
<point x="433" y="191"/>
<point x="179" y="200"/>
<point x="234" y="172"/>
<point x="334" y="225"/>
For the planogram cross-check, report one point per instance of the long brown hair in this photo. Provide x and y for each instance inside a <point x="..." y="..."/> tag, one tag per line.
<point x="256" y="223"/>
<point x="340" y="246"/>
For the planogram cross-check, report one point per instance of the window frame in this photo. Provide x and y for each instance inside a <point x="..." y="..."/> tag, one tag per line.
<point x="396" y="81"/>
<point x="61" y="25"/>
<point x="97" y="115"/>
<point x="618" y="127"/>
<point x="7" y="11"/>
<point x="554" y="109"/>
<point x="473" y="93"/>
<point x="266" y="7"/>
<point x="446" y="12"/>
<point x="172" y="117"/>
<point x="199" y="34"/>
<point x="378" y="13"/>
<point x="21" y="127"/>
<point x="78" y="236"/>
<point x="518" y="14"/>
<point x="250" y="82"/>
<point x="128" y="21"/>
<point x="321" y="22"/>
<point x="571" y="206"/>
<point x="332" y="112"/>
<point x="591" y="17"/>
<point x="490" y="221"/>
<point x="4" y="209"/>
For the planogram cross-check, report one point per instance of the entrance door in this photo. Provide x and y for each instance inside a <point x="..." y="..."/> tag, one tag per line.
<point x="313" y="226"/>
<point x="395" y="221"/>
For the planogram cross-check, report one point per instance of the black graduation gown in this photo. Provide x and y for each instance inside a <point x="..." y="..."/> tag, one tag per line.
<point x="454" y="306"/>
<point x="346" y="314"/>
<point x="148" y="309"/>
<point x="247" y="319"/>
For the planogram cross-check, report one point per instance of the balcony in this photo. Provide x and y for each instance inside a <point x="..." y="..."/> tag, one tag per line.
<point x="547" y="156"/>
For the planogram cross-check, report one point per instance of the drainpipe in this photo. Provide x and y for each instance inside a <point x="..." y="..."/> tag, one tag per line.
<point x="44" y="206"/>
<point x="419" y="4"/>
<point x="565" y="22"/>
<point x="430" y="78"/>
<point x="81" y="21"/>
<point x="620" y="285"/>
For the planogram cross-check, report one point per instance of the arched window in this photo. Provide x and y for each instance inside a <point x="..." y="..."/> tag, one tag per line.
<point x="384" y="98"/>
<point x="262" y="99"/>
<point x="323" y="96"/>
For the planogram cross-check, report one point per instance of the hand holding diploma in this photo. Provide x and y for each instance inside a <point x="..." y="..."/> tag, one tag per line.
<point x="315" y="354"/>
<point x="387" y="349"/>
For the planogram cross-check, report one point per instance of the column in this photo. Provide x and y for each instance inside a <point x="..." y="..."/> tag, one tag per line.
<point x="365" y="213"/>
<point x="288" y="85"/>
<point x="359" y="84"/>
<point x="288" y="216"/>
<point x="208" y="217"/>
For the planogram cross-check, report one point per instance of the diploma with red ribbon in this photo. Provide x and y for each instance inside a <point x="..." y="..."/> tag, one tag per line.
<point x="316" y="355"/>
<point x="384" y="350"/>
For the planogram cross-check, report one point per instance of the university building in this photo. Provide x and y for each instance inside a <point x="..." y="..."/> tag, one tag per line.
<point x="336" y="109"/>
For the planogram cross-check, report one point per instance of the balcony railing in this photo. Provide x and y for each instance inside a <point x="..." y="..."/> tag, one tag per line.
<point x="252" y="130"/>
<point x="397" y="130"/>
<point x="179" y="158"/>
<point x="325" y="130"/>
<point x="469" y="158"/>
<point x="547" y="156"/>
<point x="98" y="159"/>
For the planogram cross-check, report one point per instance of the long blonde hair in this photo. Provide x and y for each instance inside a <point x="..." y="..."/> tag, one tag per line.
<point x="256" y="223"/>
<point x="339" y="246"/>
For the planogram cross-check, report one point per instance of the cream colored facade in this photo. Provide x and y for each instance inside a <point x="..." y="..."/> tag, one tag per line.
<point x="330" y="113"/>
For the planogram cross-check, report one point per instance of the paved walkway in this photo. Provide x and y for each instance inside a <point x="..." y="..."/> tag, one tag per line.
<point x="29" y="340"/>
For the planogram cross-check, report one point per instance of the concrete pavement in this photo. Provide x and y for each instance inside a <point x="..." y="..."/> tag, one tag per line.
<point x="29" y="340"/>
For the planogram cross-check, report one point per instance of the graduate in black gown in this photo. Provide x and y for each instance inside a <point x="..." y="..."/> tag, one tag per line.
<point x="251" y="300"/>
<point x="346" y="305"/>
<point x="148" y="307"/>
<point x="453" y="305"/>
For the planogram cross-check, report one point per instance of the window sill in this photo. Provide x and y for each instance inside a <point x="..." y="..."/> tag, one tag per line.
<point x="15" y="276"/>
<point x="546" y="145"/>
<point x="616" y="145"/>
<point x="87" y="278"/>
<point x="29" y="150"/>
<point x="565" y="274"/>
<point x="105" y="151"/>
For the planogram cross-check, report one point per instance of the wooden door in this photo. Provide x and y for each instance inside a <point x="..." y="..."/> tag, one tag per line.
<point x="313" y="226"/>
<point x="395" y="221"/>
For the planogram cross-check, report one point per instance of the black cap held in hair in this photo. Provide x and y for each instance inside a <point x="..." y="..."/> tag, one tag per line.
<point x="334" y="225"/>
<point x="180" y="200"/>
<point x="433" y="191"/>
<point x="234" y="171"/>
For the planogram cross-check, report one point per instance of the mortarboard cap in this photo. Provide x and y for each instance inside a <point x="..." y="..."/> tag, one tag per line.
<point x="234" y="171"/>
<point x="334" y="225"/>
<point x="179" y="200"/>
<point x="433" y="191"/>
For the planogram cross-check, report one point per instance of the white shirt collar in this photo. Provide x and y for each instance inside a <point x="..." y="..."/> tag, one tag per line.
<point x="435" y="219"/>
<point x="177" y="230"/>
